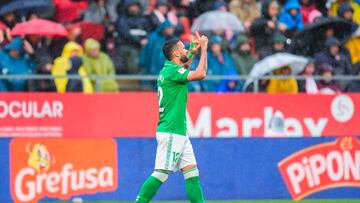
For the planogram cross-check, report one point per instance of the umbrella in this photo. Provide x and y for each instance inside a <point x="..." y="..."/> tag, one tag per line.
<point x="24" y="5"/>
<point x="3" y="26"/>
<point x="312" y="38"/>
<point x="356" y="33"/>
<point x="275" y="61"/>
<point x="39" y="27"/>
<point x="89" y="30"/>
<point x="67" y="10"/>
<point x="217" y="20"/>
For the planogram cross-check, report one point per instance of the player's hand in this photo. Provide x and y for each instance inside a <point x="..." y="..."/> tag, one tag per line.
<point x="195" y="49"/>
<point x="203" y="41"/>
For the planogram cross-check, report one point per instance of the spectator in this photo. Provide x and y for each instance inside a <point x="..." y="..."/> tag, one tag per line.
<point x="333" y="10"/>
<point x="291" y="17"/>
<point x="14" y="60"/>
<point x="354" y="85"/>
<point x="219" y="63"/>
<point x="278" y="45"/>
<point x="352" y="47"/>
<point x="201" y="6"/>
<point x="262" y="86"/>
<point x="5" y="35"/>
<point x="159" y="14"/>
<point x="111" y="8"/>
<point x="246" y="10"/>
<point x="162" y="12"/>
<point x="96" y="62"/>
<point x="97" y="12"/>
<point x="10" y="19"/>
<point x="150" y="59"/>
<point x="183" y="11"/>
<point x="43" y="67"/>
<point x="242" y="57"/>
<point x="57" y="44"/>
<point x="147" y="5"/>
<point x="41" y="49"/>
<point x="115" y="57"/>
<point x="75" y="85"/>
<point x="308" y="11"/>
<point x="346" y="12"/>
<point x="230" y="85"/>
<point x="32" y="16"/>
<point x="314" y="15"/>
<point x="327" y="85"/>
<point x="309" y="84"/>
<point x="283" y="85"/>
<point x="263" y="28"/>
<point x="332" y="55"/>
<point x="62" y="64"/>
<point x="219" y="5"/>
<point x="132" y="28"/>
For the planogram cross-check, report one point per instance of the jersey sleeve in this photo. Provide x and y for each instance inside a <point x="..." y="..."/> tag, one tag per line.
<point x="179" y="75"/>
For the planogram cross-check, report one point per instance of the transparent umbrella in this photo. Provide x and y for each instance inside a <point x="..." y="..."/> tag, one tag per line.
<point x="275" y="61"/>
<point x="217" y="20"/>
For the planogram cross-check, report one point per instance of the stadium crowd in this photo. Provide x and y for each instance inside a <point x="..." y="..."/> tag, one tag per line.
<point x="123" y="37"/>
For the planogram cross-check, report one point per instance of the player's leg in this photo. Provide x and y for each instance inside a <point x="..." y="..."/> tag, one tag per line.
<point x="192" y="184"/>
<point x="151" y="186"/>
<point x="189" y="168"/>
<point x="167" y="155"/>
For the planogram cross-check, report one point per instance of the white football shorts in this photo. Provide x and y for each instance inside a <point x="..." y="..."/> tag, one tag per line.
<point x="174" y="152"/>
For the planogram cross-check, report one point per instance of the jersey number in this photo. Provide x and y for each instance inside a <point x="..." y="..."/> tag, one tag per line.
<point x="160" y="97"/>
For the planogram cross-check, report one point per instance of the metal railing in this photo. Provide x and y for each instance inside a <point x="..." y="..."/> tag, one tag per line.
<point x="119" y="78"/>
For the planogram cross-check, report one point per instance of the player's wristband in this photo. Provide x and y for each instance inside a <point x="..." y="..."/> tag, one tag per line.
<point x="192" y="45"/>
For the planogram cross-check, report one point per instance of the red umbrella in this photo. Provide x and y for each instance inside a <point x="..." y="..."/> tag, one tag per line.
<point x="3" y="26"/>
<point x="89" y="30"/>
<point x="67" y="11"/>
<point x="39" y="27"/>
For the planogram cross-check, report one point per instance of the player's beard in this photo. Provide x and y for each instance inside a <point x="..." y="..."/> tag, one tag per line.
<point x="184" y="58"/>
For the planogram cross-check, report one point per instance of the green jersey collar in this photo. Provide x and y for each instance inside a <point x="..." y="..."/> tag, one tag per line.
<point x="171" y="64"/>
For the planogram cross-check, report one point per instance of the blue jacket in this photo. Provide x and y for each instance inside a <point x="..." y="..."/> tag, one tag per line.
<point x="15" y="66"/>
<point x="225" y="84"/>
<point x="214" y="68"/>
<point x="151" y="57"/>
<point x="291" y="22"/>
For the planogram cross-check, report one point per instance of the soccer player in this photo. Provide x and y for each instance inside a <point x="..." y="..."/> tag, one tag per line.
<point x="174" y="150"/>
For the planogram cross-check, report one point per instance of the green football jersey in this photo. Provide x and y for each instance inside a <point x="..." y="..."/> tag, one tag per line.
<point x="172" y="96"/>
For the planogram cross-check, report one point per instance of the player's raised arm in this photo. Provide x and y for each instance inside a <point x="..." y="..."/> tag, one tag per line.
<point x="200" y="72"/>
<point x="194" y="48"/>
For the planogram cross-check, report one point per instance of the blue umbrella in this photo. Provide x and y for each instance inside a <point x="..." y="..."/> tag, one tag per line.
<point x="24" y="6"/>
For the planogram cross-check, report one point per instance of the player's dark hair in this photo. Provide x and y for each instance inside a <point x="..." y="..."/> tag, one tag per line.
<point x="169" y="47"/>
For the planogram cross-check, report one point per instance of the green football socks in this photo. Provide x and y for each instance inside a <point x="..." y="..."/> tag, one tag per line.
<point x="153" y="183"/>
<point x="193" y="187"/>
<point x="151" y="186"/>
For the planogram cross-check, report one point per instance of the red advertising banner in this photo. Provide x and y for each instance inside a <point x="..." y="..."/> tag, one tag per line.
<point x="320" y="167"/>
<point x="61" y="168"/>
<point x="209" y="115"/>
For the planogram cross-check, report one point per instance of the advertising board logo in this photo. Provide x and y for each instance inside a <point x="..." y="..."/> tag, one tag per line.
<point x="317" y="168"/>
<point x="342" y="108"/>
<point x="61" y="168"/>
<point x="31" y="109"/>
